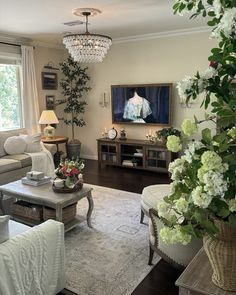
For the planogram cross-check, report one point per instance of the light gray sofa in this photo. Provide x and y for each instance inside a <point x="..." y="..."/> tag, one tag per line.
<point x="14" y="167"/>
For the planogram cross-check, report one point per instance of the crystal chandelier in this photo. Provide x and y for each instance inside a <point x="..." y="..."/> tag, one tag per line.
<point x="87" y="47"/>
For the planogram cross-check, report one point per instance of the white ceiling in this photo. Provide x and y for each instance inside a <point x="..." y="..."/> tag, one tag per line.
<point x="42" y="19"/>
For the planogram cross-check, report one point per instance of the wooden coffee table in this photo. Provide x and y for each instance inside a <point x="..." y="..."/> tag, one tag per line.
<point x="44" y="195"/>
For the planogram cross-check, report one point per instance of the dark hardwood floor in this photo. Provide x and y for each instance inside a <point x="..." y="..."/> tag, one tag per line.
<point x="161" y="280"/>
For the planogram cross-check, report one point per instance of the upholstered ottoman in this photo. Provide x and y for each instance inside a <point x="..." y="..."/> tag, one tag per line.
<point x="151" y="196"/>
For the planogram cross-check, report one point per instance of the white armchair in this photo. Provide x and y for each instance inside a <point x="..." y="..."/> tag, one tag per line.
<point x="177" y="255"/>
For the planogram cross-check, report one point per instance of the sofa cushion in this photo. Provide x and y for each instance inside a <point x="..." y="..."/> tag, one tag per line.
<point x="9" y="165"/>
<point x="4" y="229"/>
<point x="23" y="158"/>
<point x="15" y="145"/>
<point x="33" y="142"/>
<point x="153" y="194"/>
<point x="4" y="135"/>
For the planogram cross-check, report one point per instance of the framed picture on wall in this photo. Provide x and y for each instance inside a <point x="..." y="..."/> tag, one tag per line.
<point x="49" y="81"/>
<point x="50" y="102"/>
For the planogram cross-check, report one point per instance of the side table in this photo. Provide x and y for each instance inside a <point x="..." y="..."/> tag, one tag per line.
<point x="196" y="278"/>
<point x="56" y="140"/>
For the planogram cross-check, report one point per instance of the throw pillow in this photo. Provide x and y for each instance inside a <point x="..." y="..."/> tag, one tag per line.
<point x="4" y="228"/>
<point x="33" y="142"/>
<point x="14" y="145"/>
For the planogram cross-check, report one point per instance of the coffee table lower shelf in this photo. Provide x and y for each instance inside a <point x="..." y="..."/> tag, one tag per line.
<point x="68" y="226"/>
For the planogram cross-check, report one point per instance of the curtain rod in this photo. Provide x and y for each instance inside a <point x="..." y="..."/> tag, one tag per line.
<point x="12" y="44"/>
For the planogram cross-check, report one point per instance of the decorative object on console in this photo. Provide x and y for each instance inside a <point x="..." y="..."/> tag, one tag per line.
<point x="112" y="133"/>
<point x="87" y="47"/>
<point x="74" y="86"/>
<point x="122" y="134"/>
<point x="70" y="173"/>
<point x="202" y="202"/>
<point x="141" y="104"/>
<point x="48" y="117"/>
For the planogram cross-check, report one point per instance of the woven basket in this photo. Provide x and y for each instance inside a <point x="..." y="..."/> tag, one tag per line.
<point x="27" y="210"/>
<point x="221" y="252"/>
<point x="68" y="213"/>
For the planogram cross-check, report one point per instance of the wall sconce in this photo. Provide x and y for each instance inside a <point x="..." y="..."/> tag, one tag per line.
<point x="104" y="101"/>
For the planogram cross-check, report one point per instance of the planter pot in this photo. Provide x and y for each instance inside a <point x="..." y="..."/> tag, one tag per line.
<point x="221" y="252"/>
<point x="73" y="149"/>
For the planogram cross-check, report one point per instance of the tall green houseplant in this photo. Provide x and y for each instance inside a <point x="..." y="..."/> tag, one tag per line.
<point x="74" y="85"/>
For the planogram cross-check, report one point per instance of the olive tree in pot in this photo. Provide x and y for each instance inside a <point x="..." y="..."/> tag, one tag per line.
<point x="74" y="85"/>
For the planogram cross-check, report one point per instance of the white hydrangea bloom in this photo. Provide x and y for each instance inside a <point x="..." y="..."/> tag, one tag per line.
<point x="232" y="205"/>
<point x="190" y="152"/>
<point x="181" y="205"/>
<point x="177" y="168"/>
<point x="212" y="161"/>
<point x="227" y="24"/>
<point x="217" y="8"/>
<point x="200" y="198"/>
<point x="183" y="86"/>
<point x="208" y="73"/>
<point x="174" y="235"/>
<point x="215" y="185"/>
<point x="165" y="211"/>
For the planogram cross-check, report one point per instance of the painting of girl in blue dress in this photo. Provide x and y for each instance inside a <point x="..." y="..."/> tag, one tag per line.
<point x="141" y="104"/>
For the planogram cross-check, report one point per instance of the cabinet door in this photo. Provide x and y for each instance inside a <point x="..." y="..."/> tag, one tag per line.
<point x="157" y="159"/>
<point x="108" y="153"/>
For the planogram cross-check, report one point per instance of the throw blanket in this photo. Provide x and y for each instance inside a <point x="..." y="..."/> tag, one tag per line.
<point x="33" y="262"/>
<point x="43" y="162"/>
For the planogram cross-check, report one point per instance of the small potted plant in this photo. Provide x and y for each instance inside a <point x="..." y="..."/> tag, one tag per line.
<point x="165" y="132"/>
<point x="135" y="162"/>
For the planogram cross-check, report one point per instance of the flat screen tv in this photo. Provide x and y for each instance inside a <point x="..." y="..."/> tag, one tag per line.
<point x="141" y="104"/>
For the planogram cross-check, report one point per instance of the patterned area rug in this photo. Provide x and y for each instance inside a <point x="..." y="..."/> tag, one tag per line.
<point x="111" y="258"/>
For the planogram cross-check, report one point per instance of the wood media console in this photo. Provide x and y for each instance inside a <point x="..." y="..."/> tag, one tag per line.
<point x="135" y="154"/>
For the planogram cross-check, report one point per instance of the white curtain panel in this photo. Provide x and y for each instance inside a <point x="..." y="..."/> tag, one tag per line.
<point x="29" y="91"/>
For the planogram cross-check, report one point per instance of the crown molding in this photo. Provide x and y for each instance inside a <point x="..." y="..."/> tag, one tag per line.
<point x="48" y="45"/>
<point x="135" y="38"/>
<point x="161" y="35"/>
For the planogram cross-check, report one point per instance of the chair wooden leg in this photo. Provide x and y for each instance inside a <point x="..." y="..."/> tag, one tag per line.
<point x="151" y="252"/>
<point x="142" y="216"/>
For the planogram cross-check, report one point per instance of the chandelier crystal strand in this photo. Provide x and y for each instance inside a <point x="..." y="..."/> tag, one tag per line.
<point x="87" y="47"/>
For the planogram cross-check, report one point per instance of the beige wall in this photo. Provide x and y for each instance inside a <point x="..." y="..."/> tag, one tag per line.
<point x="163" y="60"/>
<point x="42" y="56"/>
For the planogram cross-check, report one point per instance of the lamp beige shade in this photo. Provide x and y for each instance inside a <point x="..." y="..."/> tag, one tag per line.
<point x="48" y="117"/>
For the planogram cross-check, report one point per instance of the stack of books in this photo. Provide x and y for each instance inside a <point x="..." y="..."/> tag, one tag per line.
<point x="44" y="180"/>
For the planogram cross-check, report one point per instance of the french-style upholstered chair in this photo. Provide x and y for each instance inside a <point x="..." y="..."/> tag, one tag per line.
<point x="177" y="255"/>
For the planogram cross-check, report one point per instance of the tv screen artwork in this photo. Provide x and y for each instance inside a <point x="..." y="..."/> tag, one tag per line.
<point x="141" y="104"/>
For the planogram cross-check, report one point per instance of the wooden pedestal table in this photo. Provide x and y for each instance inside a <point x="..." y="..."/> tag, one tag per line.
<point x="56" y="140"/>
<point x="44" y="196"/>
<point x="196" y="279"/>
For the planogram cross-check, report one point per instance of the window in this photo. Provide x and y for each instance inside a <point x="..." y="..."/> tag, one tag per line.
<point x="10" y="98"/>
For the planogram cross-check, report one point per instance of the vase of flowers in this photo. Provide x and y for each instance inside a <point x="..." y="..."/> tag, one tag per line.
<point x="70" y="173"/>
<point x="202" y="202"/>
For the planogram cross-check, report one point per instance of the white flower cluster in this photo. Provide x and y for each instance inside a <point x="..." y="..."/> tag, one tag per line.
<point x="232" y="205"/>
<point x="177" y="168"/>
<point x="227" y="24"/>
<point x="165" y="211"/>
<point x="214" y="183"/>
<point x="184" y="86"/>
<point x="190" y="152"/>
<point x="200" y="198"/>
<point x="217" y="8"/>
<point x="174" y="235"/>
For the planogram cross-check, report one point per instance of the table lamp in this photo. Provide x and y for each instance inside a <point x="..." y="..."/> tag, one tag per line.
<point x="48" y="117"/>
